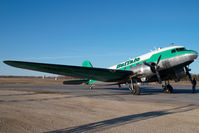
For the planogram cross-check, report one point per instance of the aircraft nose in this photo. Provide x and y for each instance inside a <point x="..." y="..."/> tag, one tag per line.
<point x="193" y="55"/>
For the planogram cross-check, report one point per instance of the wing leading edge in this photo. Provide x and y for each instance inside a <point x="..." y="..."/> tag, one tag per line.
<point x="101" y="74"/>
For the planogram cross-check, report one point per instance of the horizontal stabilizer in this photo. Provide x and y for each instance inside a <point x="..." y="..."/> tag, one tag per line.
<point x="75" y="82"/>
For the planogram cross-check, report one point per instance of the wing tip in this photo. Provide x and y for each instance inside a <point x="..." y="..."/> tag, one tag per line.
<point x="9" y="62"/>
<point x="6" y="61"/>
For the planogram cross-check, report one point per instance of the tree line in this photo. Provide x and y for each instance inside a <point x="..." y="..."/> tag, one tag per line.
<point x="196" y="76"/>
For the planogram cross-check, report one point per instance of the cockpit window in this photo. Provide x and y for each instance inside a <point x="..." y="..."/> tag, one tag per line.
<point x="180" y="49"/>
<point x="173" y="51"/>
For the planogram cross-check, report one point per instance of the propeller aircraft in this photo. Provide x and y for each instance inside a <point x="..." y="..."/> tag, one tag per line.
<point x="163" y="64"/>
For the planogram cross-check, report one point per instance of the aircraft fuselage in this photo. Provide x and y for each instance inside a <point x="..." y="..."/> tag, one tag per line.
<point x="172" y="62"/>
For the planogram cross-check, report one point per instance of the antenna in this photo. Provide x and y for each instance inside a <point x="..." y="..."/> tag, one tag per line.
<point x="172" y="44"/>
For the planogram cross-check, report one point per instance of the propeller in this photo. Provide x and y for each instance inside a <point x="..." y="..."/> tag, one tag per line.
<point x="154" y="68"/>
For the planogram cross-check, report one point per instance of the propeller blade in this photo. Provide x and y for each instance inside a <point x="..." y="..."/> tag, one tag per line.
<point x="154" y="68"/>
<point x="145" y="63"/>
<point x="159" y="59"/>
<point x="158" y="76"/>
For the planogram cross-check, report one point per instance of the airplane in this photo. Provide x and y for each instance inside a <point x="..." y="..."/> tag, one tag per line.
<point x="162" y="64"/>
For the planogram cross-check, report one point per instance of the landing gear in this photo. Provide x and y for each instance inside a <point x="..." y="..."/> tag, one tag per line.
<point x="91" y="87"/>
<point x="193" y="81"/>
<point x="167" y="88"/>
<point x="134" y="89"/>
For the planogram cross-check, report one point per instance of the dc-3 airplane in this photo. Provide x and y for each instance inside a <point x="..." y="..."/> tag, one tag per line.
<point x="163" y="64"/>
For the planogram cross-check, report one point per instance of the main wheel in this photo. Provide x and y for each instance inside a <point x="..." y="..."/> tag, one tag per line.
<point x="135" y="89"/>
<point x="168" y="89"/>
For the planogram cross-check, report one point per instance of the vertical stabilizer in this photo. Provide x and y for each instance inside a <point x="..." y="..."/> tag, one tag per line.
<point x="87" y="64"/>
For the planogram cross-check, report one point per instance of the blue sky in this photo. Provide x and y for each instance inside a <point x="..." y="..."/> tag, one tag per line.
<point x="106" y="32"/>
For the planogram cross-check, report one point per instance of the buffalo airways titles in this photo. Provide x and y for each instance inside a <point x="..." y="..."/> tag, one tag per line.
<point x="129" y="62"/>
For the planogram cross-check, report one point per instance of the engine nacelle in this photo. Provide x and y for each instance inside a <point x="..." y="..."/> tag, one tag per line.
<point x="142" y="70"/>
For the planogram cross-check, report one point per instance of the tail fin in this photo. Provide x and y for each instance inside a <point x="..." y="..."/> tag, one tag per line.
<point x="87" y="64"/>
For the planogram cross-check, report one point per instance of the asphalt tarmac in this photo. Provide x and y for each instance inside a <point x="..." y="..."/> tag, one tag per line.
<point x="106" y="109"/>
<point x="182" y="94"/>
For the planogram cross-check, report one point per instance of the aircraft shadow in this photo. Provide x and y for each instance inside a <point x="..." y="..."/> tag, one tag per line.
<point x="119" y="121"/>
<point x="154" y="90"/>
<point x="184" y="91"/>
<point x="144" y="90"/>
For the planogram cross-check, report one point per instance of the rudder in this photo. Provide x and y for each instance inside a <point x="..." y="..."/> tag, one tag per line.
<point x="87" y="63"/>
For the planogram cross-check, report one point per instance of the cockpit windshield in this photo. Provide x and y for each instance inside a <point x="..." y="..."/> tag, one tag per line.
<point x="180" y="49"/>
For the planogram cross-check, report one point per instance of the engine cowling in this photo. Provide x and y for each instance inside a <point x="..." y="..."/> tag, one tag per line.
<point x="142" y="70"/>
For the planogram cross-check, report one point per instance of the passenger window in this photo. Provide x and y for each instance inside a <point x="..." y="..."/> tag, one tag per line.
<point x="173" y="51"/>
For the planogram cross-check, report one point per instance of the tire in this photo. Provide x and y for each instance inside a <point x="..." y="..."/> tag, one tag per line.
<point x="135" y="90"/>
<point x="168" y="89"/>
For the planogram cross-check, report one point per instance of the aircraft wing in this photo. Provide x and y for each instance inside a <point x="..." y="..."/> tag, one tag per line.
<point x="101" y="74"/>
